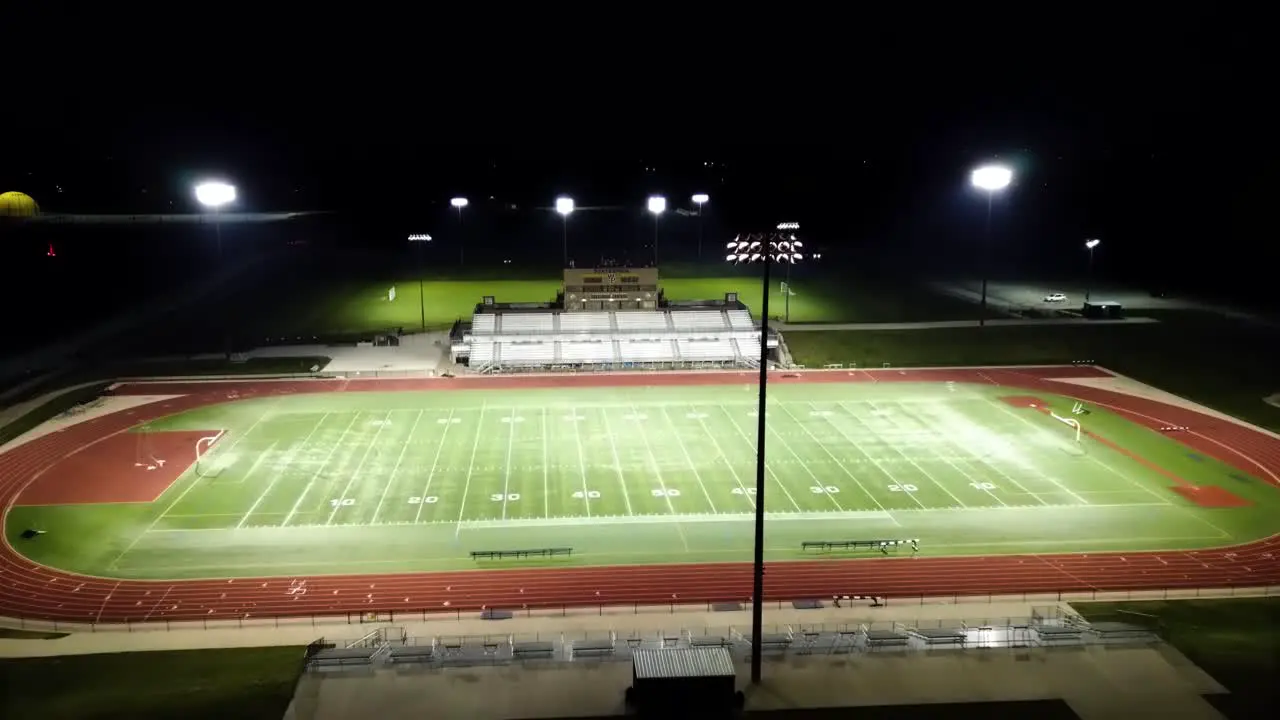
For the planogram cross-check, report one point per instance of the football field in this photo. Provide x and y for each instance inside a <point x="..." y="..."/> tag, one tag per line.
<point x="370" y="481"/>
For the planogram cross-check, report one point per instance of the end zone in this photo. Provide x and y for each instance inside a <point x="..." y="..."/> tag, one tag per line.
<point x="125" y="468"/>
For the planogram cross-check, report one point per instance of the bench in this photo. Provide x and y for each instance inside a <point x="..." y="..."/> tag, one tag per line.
<point x="537" y="649"/>
<point x="881" y="545"/>
<point x="709" y="641"/>
<point x="593" y="647"/>
<point x="412" y="653"/>
<point x="526" y="553"/>
<point x="344" y="656"/>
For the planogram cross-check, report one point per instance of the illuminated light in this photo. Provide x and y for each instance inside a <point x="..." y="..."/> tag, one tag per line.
<point x="657" y="204"/>
<point x="459" y="202"/>
<point x="215" y="194"/>
<point x="564" y="205"/>
<point x="1091" y="244"/>
<point x="701" y="198"/>
<point x="789" y="226"/>
<point x="991" y="177"/>
<point x="420" y="238"/>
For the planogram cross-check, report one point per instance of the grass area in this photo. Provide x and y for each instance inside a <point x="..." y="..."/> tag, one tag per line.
<point x="1223" y="365"/>
<point x="19" y="634"/>
<point x="245" y="684"/>
<point x="50" y="409"/>
<point x="1236" y="640"/>
<point x="342" y="308"/>
<point x="1019" y="709"/>
<point x="415" y="480"/>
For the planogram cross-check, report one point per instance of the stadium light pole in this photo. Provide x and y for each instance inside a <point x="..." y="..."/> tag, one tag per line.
<point x="459" y="203"/>
<point x="1089" y="245"/>
<point x="215" y="194"/>
<point x="657" y="206"/>
<point x="763" y="249"/>
<point x="991" y="179"/>
<point x="700" y="199"/>
<point x="420" y="240"/>
<point x="564" y="206"/>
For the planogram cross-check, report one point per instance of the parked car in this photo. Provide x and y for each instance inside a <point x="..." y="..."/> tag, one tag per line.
<point x="1055" y="298"/>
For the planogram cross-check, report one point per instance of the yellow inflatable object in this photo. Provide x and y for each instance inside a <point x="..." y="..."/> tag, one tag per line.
<point x="16" y="204"/>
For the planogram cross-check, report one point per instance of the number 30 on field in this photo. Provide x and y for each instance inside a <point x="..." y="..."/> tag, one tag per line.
<point x="428" y="500"/>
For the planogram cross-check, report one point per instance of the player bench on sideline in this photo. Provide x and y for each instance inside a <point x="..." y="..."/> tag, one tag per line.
<point x="881" y="545"/>
<point x="527" y="553"/>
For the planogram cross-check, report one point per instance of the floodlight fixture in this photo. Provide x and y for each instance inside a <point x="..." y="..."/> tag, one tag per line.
<point x="564" y="205"/>
<point x="421" y="237"/>
<point x="657" y="204"/>
<point x="1092" y="243"/>
<point x="991" y="177"/>
<point x="214" y="194"/>
<point x="459" y="202"/>
<point x="701" y="198"/>
<point x="789" y="226"/>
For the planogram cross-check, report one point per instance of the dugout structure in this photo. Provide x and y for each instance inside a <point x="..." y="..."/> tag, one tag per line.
<point x="610" y="319"/>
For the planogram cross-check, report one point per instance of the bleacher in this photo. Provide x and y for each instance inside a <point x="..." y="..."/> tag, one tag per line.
<point x="525" y="339"/>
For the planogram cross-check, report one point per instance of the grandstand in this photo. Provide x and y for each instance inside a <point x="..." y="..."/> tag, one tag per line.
<point x="561" y="336"/>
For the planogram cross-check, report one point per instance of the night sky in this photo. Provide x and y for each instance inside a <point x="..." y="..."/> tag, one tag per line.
<point x="1150" y="132"/>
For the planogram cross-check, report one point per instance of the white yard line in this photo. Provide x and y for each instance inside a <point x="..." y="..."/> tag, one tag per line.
<point x="98" y="618"/>
<point x="156" y="605"/>
<point x="837" y="460"/>
<point x="546" y="466"/>
<point x="395" y="469"/>
<point x="1004" y="408"/>
<point x="746" y="438"/>
<point x="426" y="489"/>
<point x="305" y="491"/>
<point x="688" y="458"/>
<point x="910" y="460"/>
<point x="506" y="477"/>
<point x="280" y="472"/>
<point x="657" y="473"/>
<point x="462" y="506"/>
<point x="720" y="455"/>
<point x="582" y="463"/>
<point x="973" y="458"/>
<point x="617" y="463"/>
<point x="356" y="473"/>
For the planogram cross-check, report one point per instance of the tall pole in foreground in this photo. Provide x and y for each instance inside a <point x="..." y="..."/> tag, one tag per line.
<point x="990" y="179"/>
<point x="564" y="206"/>
<point x="419" y="240"/>
<point x="459" y="203"/>
<point x="1088" y="287"/>
<point x="765" y="249"/>
<point x="215" y="195"/>
<point x="657" y="206"/>
<point x="700" y="199"/>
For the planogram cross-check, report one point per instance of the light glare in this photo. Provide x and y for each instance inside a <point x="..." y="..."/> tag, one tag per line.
<point x="1091" y="244"/>
<point x="564" y="205"/>
<point x="657" y="204"/>
<point x="215" y="194"/>
<point x="459" y="202"/>
<point x="701" y="198"/>
<point x="991" y="177"/>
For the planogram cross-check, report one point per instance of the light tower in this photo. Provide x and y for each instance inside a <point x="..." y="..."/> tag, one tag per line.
<point x="1089" y="245"/>
<point x="564" y="206"/>
<point x="459" y="203"/>
<point x="215" y="195"/>
<point x="764" y="249"/>
<point x="991" y="179"/>
<point x="700" y="199"/>
<point x="657" y="206"/>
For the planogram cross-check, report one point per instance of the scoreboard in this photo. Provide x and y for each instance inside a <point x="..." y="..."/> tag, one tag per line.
<point x="610" y="288"/>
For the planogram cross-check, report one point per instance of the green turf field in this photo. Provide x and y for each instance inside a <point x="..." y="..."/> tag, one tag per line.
<point x="365" y="307"/>
<point x="397" y="481"/>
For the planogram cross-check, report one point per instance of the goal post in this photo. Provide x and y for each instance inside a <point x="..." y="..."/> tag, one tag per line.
<point x="203" y="446"/>
<point x="1069" y="422"/>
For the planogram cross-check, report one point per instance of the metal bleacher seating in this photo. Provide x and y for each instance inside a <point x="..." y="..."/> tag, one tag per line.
<point x="593" y="351"/>
<point x="623" y="338"/>
<point x="584" y="322"/>
<point x="699" y="320"/>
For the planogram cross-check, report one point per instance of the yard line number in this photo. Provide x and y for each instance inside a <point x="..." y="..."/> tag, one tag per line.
<point x="590" y="494"/>
<point x="428" y="500"/>
<point x="743" y="491"/>
<point x="499" y="497"/>
<point x="669" y="492"/>
<point x="983" y="485"/>
<point x="903" y="488"/>
<point x="823" y="489"/>
<point x="342" y="502"/>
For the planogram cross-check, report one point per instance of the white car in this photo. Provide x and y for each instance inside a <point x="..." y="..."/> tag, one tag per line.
<point x="1055" y="297"/>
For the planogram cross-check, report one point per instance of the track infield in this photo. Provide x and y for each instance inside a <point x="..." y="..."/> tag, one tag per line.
<point x="317" y="483"/>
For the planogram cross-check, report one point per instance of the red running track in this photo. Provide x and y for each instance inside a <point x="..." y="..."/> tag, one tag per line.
<point x="34" y="591"/>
